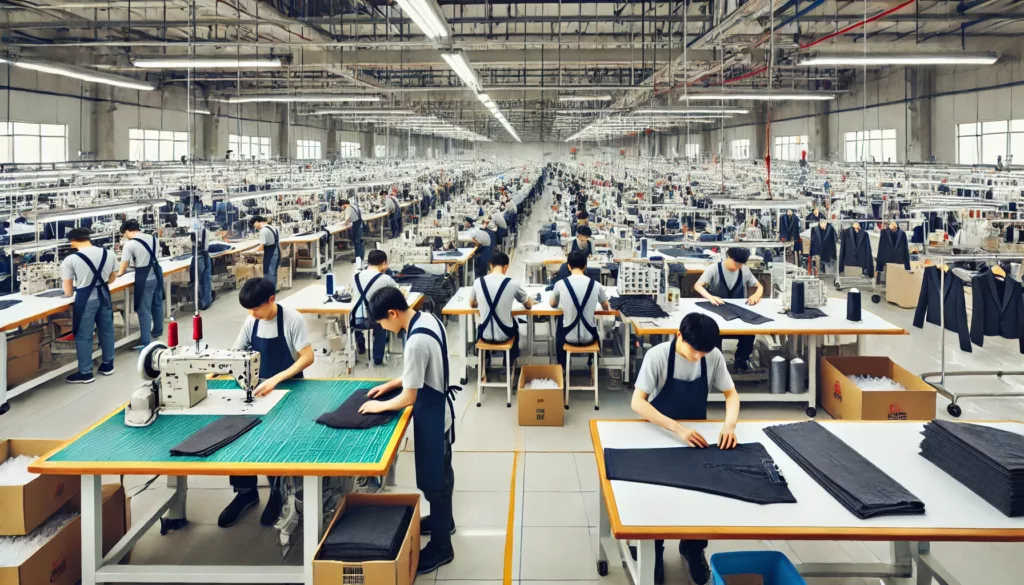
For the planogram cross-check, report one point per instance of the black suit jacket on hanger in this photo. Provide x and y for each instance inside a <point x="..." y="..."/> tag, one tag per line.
<point x="997" y="309"/>
<point x="893" y="249"/>
<point x="789" y="228"/>
<point x="823" y="242"/>
<point x="953" y="305"/>
<point x="856" y="251"/>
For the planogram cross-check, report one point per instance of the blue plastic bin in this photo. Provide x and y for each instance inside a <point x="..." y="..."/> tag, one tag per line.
<point x="772" y="565"/>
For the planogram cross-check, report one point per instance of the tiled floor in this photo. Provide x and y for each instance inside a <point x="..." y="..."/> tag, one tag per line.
<point x="555" y="497"/>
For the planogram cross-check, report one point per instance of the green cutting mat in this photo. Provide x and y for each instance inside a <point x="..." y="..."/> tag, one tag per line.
<point x="289" y="434"/>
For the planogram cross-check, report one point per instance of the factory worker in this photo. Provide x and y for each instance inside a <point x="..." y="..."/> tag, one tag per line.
<point x="498" y="293"/>
<point x="729" y="279"/>
<point x="424" y="386"/>
<point x="582" y="241"/>
<point x="394" y="209"/>
<point x="351" y="214"/>
<point x="367" y="283"/>
<point x="202" y="266"/>
<point x="482" y="239"/>
<point x="140" y="252"/>
<point x="270" y="239"/>
<point x="279" y="334"/>
<point x="578" y="296"/>
<point x="87" y="275"/>
<point x="672" y="386"/>
<point x="497" y="219"/>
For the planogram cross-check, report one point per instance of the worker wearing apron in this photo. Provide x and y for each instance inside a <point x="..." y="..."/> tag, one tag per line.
<point x="482" y="238"/>
<point x="497" y="325"/>
<point x="271" y="242"/>
<point x="673" y="385"/>
<point x="424" y="386"/>
<point x="714" y="286"/>
<point x="87" y="274"/>
<point x="367" y="283"/>
<point x="582" y="241"/>
<point x="581" y="294"/>
<point x="202" y="267"/>
<point x="140" y="251"/>
<point x="355" y="217"/>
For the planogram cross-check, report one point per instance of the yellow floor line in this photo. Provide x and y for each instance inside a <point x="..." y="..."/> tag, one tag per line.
<point x="510" y="527"/>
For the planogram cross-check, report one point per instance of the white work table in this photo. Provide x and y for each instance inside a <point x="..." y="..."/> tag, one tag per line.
<point x="644" y="512"/>
<point x="465" y="260"/>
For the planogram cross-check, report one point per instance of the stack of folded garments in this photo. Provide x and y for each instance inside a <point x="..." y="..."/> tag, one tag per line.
<point x="855" y="482"/>
<point x="989" y="461"/>
<point x="215" y="436"/>
<point x="637" y="306"/>
<point x="347" y="416"/>
<point x="367" y="533"/>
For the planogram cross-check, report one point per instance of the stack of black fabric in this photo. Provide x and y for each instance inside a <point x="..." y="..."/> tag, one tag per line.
<point x="347" y="415"/>
<point x="637" y="306"/>
<point x="989" y="461"/>
<point x="855" y="482"/>
<point x="439" y="288"/>
<point x="215" y="436"/>
<point x="367" y="533"/>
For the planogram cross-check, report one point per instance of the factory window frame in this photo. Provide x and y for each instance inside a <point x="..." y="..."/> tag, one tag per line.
<point x="790" y="147"/>
<point x="693" y="150"/>
<point x="982" y="143"/>
<point x="156" y="145"/>
<point x="29" y="143"/>
<point x="741" y="149"/>
<point x="871" y="145"/>
<point x="380" y="150"/>
<point x="248" y="147"/>
<point x="308" y="150"/>
<point x="350" y="150"/>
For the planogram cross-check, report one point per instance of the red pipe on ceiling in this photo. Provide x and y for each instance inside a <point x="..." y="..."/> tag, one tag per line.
<point x="855" y="26"/>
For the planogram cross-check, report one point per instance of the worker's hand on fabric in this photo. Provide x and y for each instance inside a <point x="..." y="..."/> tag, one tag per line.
<point x="754" y="298"/>
<point x="716" y="301"/>
<point x="266" y="387"/>
<point x="376" y="391"/>
<point x="691" y="437"/>
<point x="371" y="407"/>
<point x="727" y="438"/>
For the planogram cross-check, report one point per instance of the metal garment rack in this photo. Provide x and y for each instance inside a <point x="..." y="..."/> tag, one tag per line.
<point x="954" y="409"/>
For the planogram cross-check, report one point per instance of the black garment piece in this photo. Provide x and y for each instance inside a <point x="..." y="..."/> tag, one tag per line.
<point x="347" y="415"/>
<point x="10" y="303"/>
<point x="448" y="254"/>
<point x="892" y="249"/>
<point x="730" y="311"/>
<point x="809" y="313"/>
<point x="856" y="251"/>
<point x="49" y="294"/>
<point x="214" y="436"/>
<point x="954" y="306"/>
<point x="823" y="242"/>
<point x="637" y="306"/>
<point x="746" y="473"/>
<point x="863" y="489"/>
<point x="789" y="231"/>
<point x="367" y="533"/>
<point x="997" y="308"/>
<point x="438" y="287"/>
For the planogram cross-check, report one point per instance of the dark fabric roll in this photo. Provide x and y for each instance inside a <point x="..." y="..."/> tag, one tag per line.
<point x="853" y="306"/>
<point x="811" y="313"/>
<point x="367" y="533"/>
<point x="347" y="415"/>
<point x="796" y="303"/>
<point x="215" y="436"/>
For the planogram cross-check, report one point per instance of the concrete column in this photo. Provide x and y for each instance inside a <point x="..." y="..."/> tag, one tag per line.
<point x="214" y="146"/>
<point x="331" y="148"/>
<point x="368" y="141"/>
<point x="920" y="81"/>
<point x="285" y="143"/>
<point x="103" y="124"/>
<point x="759" y="146"/>
<point x="821" y="141"/>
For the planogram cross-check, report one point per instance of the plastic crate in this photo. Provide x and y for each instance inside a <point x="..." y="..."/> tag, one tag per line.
<point x="772" y="565"/>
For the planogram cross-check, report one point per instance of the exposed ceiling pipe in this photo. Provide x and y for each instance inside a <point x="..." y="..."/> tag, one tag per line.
<point x="855" y="26"/>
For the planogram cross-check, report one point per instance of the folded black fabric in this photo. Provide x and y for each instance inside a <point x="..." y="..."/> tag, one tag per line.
<point x="215" y="248"/>
<point x="448" y="254"/>
<point x="809" y="313"/>
<point x="50" y="294"/>
<point x="347" y="415"/>
<point x="729" y="311"/>
<point x="863" y="489"/>
<point x="746" y="473"/>
<point x="367" y="533"/>
<point x="214" y="436"/>
<point x="637" y="306"/>
<point x="10" y="303"/>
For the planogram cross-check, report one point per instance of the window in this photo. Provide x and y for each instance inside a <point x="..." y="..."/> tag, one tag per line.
<point x="249" y="147"/>
<point x="790" y="147"/>
<point x="33" y="143"/>
<point x="308" y="150"/>
<point x="156" y="145"/>
<point x="380" y="150"/>
<point x="872" y="146"/>
<point x="985" y="142"/>
<point x="741" y="149"/>
<point x="350" y="150"/>
<point x="693" y="150"/>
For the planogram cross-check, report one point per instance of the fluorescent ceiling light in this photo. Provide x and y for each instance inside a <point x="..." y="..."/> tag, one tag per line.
<point x="207" y="63"/>
<point x="687" y="111"/>
<point x="80" y="73"/>
<point x="98" y="211"/>
<point x="585" y="98"/>
<point x="363" y="111"/>
<point x="428" y="16"/>
<point x="309" y="97"/>
<point x="460" y="65"/>
<point x="201" y="112"/>
<point x="762" y="97"/>
<point x="957" y="58"/>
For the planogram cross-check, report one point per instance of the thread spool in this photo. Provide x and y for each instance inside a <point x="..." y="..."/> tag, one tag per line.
<point x="197" y="328"/>
<point x="853" y="312"/>
<point x="777" y="375"/>
<point x="797" y="300"/>
<point x="172" y="333"/>
<point x="330" y="283"/>
<point x="797" y="376"/>
<point x="643" y="247"/>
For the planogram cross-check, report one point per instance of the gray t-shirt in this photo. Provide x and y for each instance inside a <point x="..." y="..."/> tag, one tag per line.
<point x="74" y="268"/>
<point x="579" y="282"/>
<point x="391" y="204"/>
<point x="503" y="304"/>
<point x="710" y="278"/>
<point x="351" y="214"/>
<point x="498" y="219"/>
<point x="654" y="371"/>
<point x="294" y="331"/>
<point x="267" y="237"/>
<point x="363" y="278"/>
<point x="135" y="253"/>
<point x="480" y="235"/>
<point x="424" y="361"/>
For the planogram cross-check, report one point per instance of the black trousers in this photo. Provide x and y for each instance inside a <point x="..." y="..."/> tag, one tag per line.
<point x="686" y="547"/>
<point x="441" y="515"/>
<point x="744" y="346"/>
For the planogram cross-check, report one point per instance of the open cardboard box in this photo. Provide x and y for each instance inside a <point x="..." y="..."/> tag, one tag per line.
<point x="843" y="399"/>
<point x="902" y="286"/>
<point x="541" y="407"/>
<point x="24" y="507"/>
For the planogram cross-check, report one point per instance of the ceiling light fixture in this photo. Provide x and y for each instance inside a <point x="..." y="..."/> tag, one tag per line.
<point x="207" y="63"/>
<point x="957" y="58"/>
<point x="687" y="111"/>
<point x="330" y="97"/>
<point x="460" y="65"/>
<point x="428" y="16"/>
<point x="584" y="98"/>
<point x="80" y="73"/>
<point x="366" y="111"/>
<point x="762" y="97"/>
<point x="201" y="112"/>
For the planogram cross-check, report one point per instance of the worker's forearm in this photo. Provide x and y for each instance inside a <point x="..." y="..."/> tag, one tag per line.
<point x="392" y="385"/>
<point x="303" y="362"/>
<point x="702" y="291"/>
<point x="652" y="415"/>
<point x="406" y="398"/>
<point x="732" y="407"/>
<point x="123" y="269"/>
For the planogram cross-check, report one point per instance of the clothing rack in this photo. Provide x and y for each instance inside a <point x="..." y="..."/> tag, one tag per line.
<point x="954" y="409"/>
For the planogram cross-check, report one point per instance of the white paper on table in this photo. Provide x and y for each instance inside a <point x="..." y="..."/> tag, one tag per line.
<point x="229" y="402"/>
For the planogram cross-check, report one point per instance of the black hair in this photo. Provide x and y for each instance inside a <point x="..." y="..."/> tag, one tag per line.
<point x="384" y="300"/>
<point x="376" y="257"/>
<point x="255" y="292"/>
<point x="584" y="230"/>
<point x="130" y="225"/>
<point x="343" y="202"/>
<point x="740" y="255"/>
<point x="700" y="331"/>
<point x="499" y="259"/>
<point x="582" y="214"/>
<point x="577" y="259"/>
<point x="80" y="234"/>
<point x="469" y="220"/>
<point x="256" y="218"/>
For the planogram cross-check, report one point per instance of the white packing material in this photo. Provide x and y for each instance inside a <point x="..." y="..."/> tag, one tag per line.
<point x="15" y="550"/>
<point x="869" y="383"/>
<point x="541" y="384"/>
<point x="15" y="471"/>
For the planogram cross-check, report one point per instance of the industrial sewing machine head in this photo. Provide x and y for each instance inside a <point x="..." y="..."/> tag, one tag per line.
<point x="176" y="378"/>
<point x="38" y="277"/>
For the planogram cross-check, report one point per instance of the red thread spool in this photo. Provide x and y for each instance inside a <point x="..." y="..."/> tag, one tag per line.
<point x="172" y="334"/>
<point x="197" y="328"/>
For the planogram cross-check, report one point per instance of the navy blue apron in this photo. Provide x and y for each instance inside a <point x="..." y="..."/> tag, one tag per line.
<point x="681" y="400"/>
<point x="361" y="300"/>
<point x="142" y="272"/>
<point x="82" y="294"/>
<point x="483" y="259"/>
<point x="204" y="272"/>
<point x="510" y="331"/>
<point x="357" y="227"/>
<point x="722" y="290"/>
<point x="563" y="329"/>
<point x="576" y="247"/>
<point x="275" y="357"/>
<point x="272" y="257"/>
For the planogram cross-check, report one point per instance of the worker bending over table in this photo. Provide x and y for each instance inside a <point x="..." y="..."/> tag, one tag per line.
<point x="578" y="296"/>
<point x="729" y="279"/>
<point x="499" y="293"/>
<point x="367" y="283"/>
<point x="355" y="217"/>
<point x="582" y="242"/>
<point x="270" y="239"/>
<point x="482" y="238"/>
<point x="424" y="386"/>
<point x="394" y="209"/>
<point x="87" y="274"/>
<point x="673" y="385"/>
<point x="140" y="252"/>
<point x="497" y="219"/>
<point x="279" y="335"/>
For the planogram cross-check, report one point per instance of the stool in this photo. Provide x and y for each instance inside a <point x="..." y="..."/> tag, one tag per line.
<point x="368" y="339"/>
<point x="482" y="348"/>
<point x="594" y="349"/>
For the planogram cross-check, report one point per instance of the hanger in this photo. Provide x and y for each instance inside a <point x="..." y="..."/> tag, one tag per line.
<point x="998" y="271"/>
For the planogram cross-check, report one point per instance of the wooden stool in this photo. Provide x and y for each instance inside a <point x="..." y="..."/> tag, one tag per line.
<point x="594" y="349"/>
<point x="482" y="348"/>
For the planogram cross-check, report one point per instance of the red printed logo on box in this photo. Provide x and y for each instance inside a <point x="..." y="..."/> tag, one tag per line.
<point x="837" y="392"/>
<point x="896" y="413"/>
<point x="59" y="568"/>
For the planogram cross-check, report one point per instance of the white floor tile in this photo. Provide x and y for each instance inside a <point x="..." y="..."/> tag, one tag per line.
<point x="592" y="504"/>
<point x="586" y="468"/>
<point x="482" y="472"/>
<point x="558" y="554"/>
<point x="551" y="472"/>
<point x="479" y="555"/>
<point x="480" y="509"/>
<point x="554" y="509"/>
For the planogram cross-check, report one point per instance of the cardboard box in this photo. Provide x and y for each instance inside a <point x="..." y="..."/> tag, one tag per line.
<point x="25" y="344"/>
<point x="21" y="369"/>
<point x="541" y="407"/>
<point x="401" y="571"/>
<point x="843" y="399"/>
<point x="903" y="287"/>
<point x="24" y="507"/>
<point x="304" y="262"/>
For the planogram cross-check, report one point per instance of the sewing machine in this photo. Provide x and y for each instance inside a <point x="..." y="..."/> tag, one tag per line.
<point x="176" y="378"/>
<point x="425" y="233"/>
<point x="38" y="277"/>
<point x="621" y="242"/>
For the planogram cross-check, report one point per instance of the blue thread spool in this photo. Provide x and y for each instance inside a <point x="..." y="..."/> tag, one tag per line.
<point x="330" y="283"/>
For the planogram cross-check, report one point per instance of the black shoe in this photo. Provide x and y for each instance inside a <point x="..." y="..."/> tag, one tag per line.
<point x="273" y="510"/>
<point x="242" y="502"/>
<point x="698" y="563"/>
<point x="107" y="368"/>
<point x="427" y="523"/>
<point x="741" y="366"/>
<point x="433" y="557"/>
<point x="79" y="378"/>
<point x="659" y="561"/>
<point x="361" y="349"/>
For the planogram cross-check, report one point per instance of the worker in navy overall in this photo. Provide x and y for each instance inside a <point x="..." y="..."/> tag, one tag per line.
<point x="582" y="243"/>
<point x="578" y="296"/>
<point x="202" y="266"/>
<point x="394" y="209"/>
<point x="270" y="239"/>
<point x="729" y="279"/>
<point x="351" y="214"/>
<point x="140" y="252"/>
<point x="367" y="283"/>
<point x="482" y="239"/>
<point x="87" y="275"/>
<point x="497" y="219"/>
<point x="279" y="334"/>
<point x="672" y="389"/>
<point x="424" y="386"/>
<point x="495" y="295"/>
